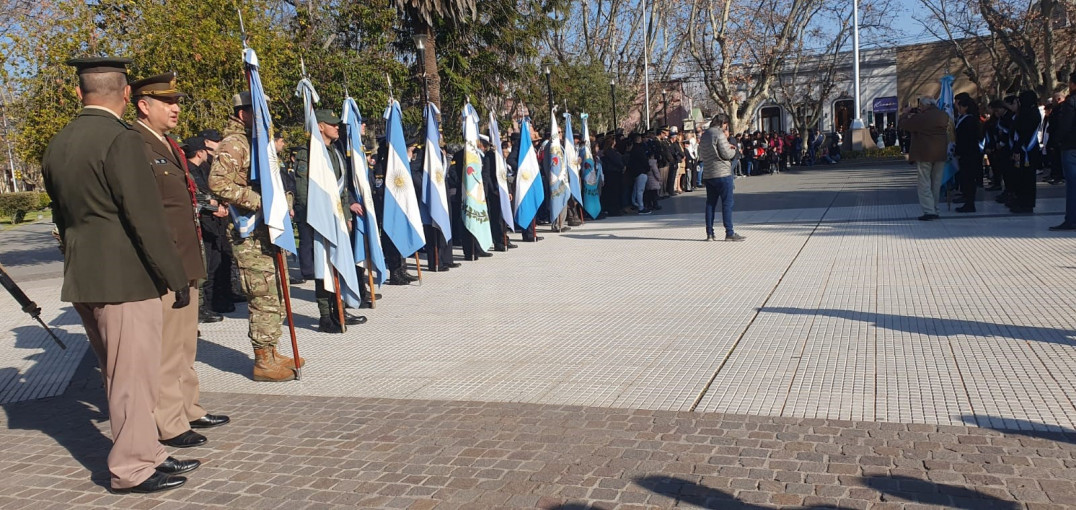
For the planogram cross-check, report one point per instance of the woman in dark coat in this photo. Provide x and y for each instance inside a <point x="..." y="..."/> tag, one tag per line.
<point x="969" y="132"/>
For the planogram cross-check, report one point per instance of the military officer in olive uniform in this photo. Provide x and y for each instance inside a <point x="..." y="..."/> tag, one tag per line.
<point x="156" y="102"/>
<point x="229" y="179"/>
<point x="118" y="262"/>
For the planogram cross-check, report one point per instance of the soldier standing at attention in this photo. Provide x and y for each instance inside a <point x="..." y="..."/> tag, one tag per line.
<point x="156" y="102"/>
<point x="118" y="262"/>
<point x="229" y="179"/>
<point x="216" y="296"/>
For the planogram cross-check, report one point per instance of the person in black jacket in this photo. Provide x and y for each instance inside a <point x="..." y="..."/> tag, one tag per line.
<point x="1027" y="155"/>
<point x="1064" y="120"/>
<point x="638" y="166"/>
<point x="968" y="153"/>
<point x="613" y="167"/>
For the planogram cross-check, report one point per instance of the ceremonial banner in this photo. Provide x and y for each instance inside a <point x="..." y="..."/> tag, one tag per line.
<point x="264" y="169"/>
<point x="558" y="173"/>
<point x="325" y="209"/>
<point x="945" y="103"/>
<point x="475" y="211"/>
<point x="591" y="178"/>
<point x="529" y="192"/>
<point x="403" y="220"/>
<point x="366" y="234"/>
<point x="571" y="159"/>
<point x="501" y="171"/>
<point x="434" y="195"/>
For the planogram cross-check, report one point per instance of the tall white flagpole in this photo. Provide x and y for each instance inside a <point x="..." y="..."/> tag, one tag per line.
<point x="857" y="121"/>
<point x="646" y="63"/>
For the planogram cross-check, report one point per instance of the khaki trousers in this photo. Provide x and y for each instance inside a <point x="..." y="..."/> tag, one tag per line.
<point x="178" y="402"/>
<point x="929" y="186"/>
<point x="126" y="337"/>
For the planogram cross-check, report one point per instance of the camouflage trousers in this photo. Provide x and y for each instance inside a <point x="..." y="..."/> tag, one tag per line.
<point x="257" y="270"/>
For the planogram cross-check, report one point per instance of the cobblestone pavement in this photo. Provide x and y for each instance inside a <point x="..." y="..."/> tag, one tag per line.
<point x="845" y="355"/>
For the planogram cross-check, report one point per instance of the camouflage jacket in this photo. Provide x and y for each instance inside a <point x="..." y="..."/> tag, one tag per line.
<point x="229" y="177"/>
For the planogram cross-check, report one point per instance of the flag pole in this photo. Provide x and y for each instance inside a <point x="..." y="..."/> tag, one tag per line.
<point x="418" y="267"/>
<point x="339" y="302"/>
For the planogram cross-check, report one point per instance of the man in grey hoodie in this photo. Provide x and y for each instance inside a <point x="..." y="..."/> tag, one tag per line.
<point x="717" y="155"/>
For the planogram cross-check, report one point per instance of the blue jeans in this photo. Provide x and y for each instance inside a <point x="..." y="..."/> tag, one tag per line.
<point x="1068" y="166"/>
<point x="719" y="188"/>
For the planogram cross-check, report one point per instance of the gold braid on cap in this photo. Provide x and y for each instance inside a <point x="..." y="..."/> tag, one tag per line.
<point x="172" y="89"/>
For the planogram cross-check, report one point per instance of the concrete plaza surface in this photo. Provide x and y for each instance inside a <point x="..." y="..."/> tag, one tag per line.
<point x="845" y="355"/>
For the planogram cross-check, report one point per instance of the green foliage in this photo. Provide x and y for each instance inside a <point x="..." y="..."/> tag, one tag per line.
<point x="892" y="151"/>
<point x="16" y="205"/>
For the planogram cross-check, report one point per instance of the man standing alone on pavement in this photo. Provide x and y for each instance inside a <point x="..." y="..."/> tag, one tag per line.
<point x="930" y="129"/>
<point x="717" y="155"/>
<point x="156" y="102"/>
<point x="119" y="259"/>
<point x="1064" y="120"/>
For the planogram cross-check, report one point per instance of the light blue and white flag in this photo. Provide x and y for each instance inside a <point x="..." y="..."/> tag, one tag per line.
<point x="325" y="210"/>
<point x="264" y="169"/>
<point x="501" y="171"/>
<point x="434" y="194"/>
<point x="945" y="104"/>
<point x="475" y="210"/>
<point x="403" y="219"/>
<point x="571" y="159"/>
<point x="367" y="237"/>
<point x="591" y="179"/>
<point x="558" y="173"/>
<point x="529" y="192"/>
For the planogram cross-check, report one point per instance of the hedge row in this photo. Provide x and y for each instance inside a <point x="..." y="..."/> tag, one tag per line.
<point x="17" y="205"/>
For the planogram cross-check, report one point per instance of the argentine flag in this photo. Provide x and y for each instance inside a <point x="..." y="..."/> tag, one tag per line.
<point x="367" y="238"/>
<point x="403" y="219"/>
<point x="591" y="178"/>
<point x="325" y="211"/>
<point x="945" y="104"/>
<point x="501" y="170"/>
<point x="265" y="169"/>
<point x="529" y="193"/>
<point x="434" y="195"/>
<point x="558" y="173"/>
<point x="475" y="210"/>
<point x="571" y="159"/>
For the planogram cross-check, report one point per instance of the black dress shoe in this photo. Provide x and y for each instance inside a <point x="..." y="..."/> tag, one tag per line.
<point x="224" y="309"/>
<point x="366" y="304"/>
<point x="925" y="217"/>
<point x="966" y="209"/>
<point x="174" y="466"/>
<point x="510" y="246"/>
<point x="156" y="483"/>
<point x="206" y="316"/>
<point x="500" y="247"/>
<point x="409" y="277"/>
<point x="443" y="269"/>
<point x="327" y="325"/>
<point x="1063" y="226"/>
<point x="209" y="421"/>
<point x="354" y="320"/>
<point x="397" y="281"/>
<point x="453" y="264"/>
<point x="185" y="440"/>
<point x="484" y="254"/>
<point x="297" y="281"/>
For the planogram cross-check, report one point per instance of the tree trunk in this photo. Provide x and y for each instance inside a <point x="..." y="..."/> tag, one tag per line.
<point x="433" y="79"/>
<point x="1049" y="79"/>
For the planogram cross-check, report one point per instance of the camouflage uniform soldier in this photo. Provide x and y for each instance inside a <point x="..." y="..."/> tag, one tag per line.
<point x="229" y="179"/>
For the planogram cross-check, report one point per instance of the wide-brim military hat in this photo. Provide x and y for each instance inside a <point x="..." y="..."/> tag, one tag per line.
<point x="242" y="100"/>
<point x="162" y="86"/>
<point x="90" y="65"/>
<point x="327" y="116"/>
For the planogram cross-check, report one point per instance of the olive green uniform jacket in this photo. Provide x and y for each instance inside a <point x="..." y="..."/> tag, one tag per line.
<point x="117" y="245"/>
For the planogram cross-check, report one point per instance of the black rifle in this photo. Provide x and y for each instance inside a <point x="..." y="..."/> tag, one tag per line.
<point x="28" y="306"/>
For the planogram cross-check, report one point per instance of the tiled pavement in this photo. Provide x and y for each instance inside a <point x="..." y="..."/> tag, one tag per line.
<point x="839" y="308"/>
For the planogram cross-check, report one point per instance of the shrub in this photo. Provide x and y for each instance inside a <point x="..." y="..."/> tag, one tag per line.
<point x="892" y="151"/>
<point x="43" y="201"/>
<point x="17" y="205"/>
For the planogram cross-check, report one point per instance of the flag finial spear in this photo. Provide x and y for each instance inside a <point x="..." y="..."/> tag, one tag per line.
<point x="389" y="80"/>
<point x="302" y="66"/>
<point x="242" y="28"/>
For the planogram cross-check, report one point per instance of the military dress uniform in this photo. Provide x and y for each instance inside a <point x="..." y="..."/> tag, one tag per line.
<point x="178" y="404"/>
<point x="118" y="262"/>
<point x="229" y="179"/>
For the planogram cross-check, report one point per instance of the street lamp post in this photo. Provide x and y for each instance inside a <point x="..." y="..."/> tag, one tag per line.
<point x="857" y="122"/>
<point x="612" y="98"/>
<point x="420" y="45"/>
<point x="664" y="109"/>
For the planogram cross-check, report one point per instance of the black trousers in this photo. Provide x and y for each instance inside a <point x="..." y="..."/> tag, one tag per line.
<point x="306" y="246"/>
<point x="393" y="260"/>
<point x="217" y="289"/>
<point x="612" y="195"/>
<point x="436" y="238"/>
<point x="969" y="177"/>
<point x="470" y="245"/>
<point x="529" y="232"/>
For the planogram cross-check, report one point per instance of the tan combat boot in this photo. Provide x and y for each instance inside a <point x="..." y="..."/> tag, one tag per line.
<point x="286" y="361"/>
<point x="267" y="368"/>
